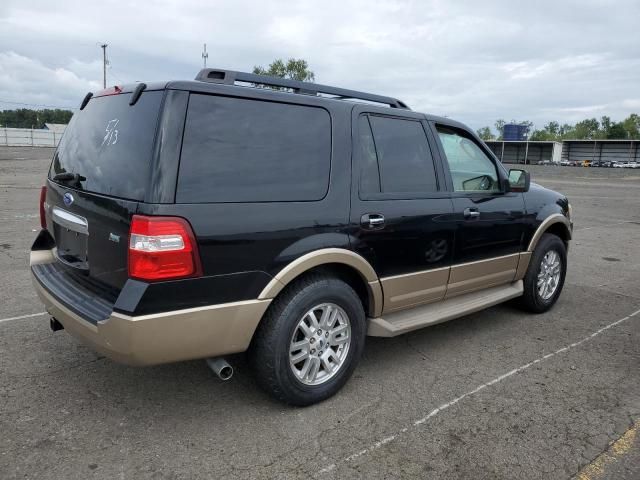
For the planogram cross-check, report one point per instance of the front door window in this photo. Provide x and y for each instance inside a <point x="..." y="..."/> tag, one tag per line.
<point x="471" y="169"/>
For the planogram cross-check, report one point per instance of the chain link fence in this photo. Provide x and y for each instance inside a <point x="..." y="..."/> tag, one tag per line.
<point x="27" y="137"/>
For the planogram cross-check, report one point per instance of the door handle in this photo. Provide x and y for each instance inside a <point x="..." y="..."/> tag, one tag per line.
<point x="372" y="220"/>
<point x="471" y="213"/>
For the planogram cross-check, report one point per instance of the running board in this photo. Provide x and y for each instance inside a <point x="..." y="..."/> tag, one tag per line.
<point x="405" y="321"/>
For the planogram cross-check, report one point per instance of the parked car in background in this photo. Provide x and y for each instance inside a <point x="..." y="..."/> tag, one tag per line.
<point x="586" y="163"/>
<point x="565" y="163"/>
<point x="620" y="165"/>
<point x="633" y="165"/>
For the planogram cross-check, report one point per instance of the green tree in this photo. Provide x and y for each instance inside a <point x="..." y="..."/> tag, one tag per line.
<point x="485" y="133"/>
<point x="605" y="127"/>
<point x="526" y="123"/>
<point x="631" y="125"/>
<point x="586" y="129"/>
<point x="541" y="135"/>
<point x="565" y="131"/>
<point x="617" y="131"/>
<point x="26" y="118"/>
<point x="293" y="69"/>
<point x="553" y="129"/>
<point x="500" y="128"/>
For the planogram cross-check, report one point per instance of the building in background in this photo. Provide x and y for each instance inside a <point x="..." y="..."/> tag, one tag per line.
<point x="571" y="151"/>
<point x="526" y="152"/>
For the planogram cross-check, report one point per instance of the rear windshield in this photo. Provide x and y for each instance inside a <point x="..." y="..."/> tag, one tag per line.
<point x="109" y="145"/>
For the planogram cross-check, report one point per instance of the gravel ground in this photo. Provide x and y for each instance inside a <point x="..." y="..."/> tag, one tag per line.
<point x="496" y="394"/>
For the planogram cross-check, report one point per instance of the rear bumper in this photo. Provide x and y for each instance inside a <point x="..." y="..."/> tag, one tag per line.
<point x="162" y="337"/>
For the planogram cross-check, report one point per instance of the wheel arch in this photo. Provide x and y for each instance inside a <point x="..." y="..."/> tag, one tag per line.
<point x="556" y="224"/>
<point x="345" y="264"/>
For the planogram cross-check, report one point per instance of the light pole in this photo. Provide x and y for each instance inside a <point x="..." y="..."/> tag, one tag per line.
<point x="205" y="55"/>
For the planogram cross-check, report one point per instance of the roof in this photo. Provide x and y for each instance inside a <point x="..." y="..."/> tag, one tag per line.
<point x="56" y="127"/>
<point x="602" y="140"/>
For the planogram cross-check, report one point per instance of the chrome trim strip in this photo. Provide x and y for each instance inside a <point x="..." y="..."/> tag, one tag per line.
<point x="70" y="220"/>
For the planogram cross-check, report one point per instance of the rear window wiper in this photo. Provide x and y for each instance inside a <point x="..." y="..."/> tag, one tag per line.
<point x="67" y="176"/>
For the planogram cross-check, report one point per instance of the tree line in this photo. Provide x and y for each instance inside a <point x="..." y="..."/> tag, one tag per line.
<point x="588" y="129"/>
<point x="27" y="118"/>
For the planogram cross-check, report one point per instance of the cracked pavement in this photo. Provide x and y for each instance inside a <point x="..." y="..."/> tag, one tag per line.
<point x="66" y="412"/>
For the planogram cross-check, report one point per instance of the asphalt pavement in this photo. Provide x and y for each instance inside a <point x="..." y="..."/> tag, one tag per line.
<point x="496" y="394"/>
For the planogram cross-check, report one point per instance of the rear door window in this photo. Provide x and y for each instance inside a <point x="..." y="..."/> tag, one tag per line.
<point x="240" y="150"/>
<point x="369" y="168"/>
<point x="109" y="145"/>
<point x="404" y="160"/>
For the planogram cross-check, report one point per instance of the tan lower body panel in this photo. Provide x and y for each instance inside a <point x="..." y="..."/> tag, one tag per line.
<point x="165" y="337"/>
<point x="448" y="309"/>
<point x="473" y="276"/>
<point x="405" y="291"/>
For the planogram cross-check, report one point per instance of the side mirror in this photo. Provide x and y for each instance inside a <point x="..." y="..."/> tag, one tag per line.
<point x="519" y="180"/>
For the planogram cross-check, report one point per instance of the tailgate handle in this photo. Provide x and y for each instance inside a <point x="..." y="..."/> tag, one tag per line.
<point x="71" y="221"/>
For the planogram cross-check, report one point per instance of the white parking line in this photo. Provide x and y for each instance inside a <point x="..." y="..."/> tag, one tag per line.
<point x="444" y="406"/>
<point x="21" y="317"/>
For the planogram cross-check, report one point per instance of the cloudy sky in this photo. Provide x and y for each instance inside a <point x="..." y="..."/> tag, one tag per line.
<point x="475" y="61"/>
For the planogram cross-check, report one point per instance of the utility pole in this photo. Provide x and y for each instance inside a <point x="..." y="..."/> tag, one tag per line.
<point x="104" y="65"/>
<point x="205" y="55"/>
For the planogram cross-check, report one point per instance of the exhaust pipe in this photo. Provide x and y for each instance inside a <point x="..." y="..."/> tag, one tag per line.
<point x="221" y="368"/>
<point x="55" y="325"/>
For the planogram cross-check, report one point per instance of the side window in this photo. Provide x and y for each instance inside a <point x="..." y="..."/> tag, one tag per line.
<point x="240" y="150"/>
<point x="471" y="169"/>
<point x="405" y="162"/>
<point x="369" y="171"/>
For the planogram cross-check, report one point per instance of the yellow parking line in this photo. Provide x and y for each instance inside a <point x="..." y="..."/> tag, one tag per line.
<point x="616" y="450"/>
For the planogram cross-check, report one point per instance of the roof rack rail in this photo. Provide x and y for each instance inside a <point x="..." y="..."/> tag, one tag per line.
<point x="230" y="77"/>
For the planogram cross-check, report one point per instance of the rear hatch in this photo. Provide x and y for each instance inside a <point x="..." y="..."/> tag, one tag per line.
<point x="99" y="174"/>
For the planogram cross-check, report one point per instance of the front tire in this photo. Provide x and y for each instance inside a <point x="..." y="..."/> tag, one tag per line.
<point x="310" y="340"/>
<point x="546" y="274"/>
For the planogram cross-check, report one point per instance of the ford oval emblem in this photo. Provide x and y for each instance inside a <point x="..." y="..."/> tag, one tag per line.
<point x="68" y="199"/>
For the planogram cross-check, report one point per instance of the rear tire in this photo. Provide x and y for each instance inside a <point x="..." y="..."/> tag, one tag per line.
<point x="309" y="341"/>
<point x="545" y="276"/>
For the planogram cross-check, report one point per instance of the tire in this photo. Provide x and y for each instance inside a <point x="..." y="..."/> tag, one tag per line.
<point x="272" y="351"/>
<point x="533" y="300"/>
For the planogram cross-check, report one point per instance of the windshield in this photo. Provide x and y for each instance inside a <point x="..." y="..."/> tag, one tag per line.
<point x="108" y="146"/>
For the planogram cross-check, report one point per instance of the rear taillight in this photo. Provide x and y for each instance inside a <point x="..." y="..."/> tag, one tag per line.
<point x="43" y="200"/>
<point x="162" y="248"/>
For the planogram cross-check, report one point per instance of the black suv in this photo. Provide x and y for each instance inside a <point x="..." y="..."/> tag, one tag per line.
<point x="239" y="212"/>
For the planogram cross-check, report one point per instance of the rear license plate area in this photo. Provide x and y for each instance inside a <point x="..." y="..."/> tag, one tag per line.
<point x="71" y="246"/>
